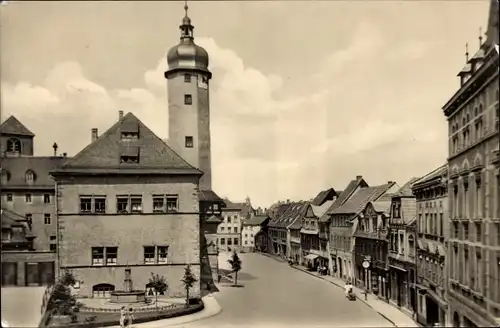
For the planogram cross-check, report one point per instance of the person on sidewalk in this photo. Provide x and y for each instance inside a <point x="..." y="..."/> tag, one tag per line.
<point x="348" y="288"/>
<point x="123" y="313"/>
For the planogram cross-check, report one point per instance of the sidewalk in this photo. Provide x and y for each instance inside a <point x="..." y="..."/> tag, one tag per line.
<point x="389" y="312"/>
<point x="211" y="308"/>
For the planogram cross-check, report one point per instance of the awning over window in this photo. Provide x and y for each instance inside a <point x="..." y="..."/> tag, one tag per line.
<point x="422" y="244"/>
<point x="397" y="268"/>
<point x="311" y="256"/>
<point x="441" y="250"/>
<point x="432" y="247"/>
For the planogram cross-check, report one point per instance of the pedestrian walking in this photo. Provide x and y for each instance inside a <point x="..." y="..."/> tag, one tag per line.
<point x="123" y="314"/>
<point x="130" y="318"/>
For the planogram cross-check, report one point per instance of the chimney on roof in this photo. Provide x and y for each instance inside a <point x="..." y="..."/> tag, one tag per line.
<point x="120" y="115"/>
<point x="55" y="148"/>
<point x="359" y="177"/>
<point x="390" y="182"/>
<point x="288" y="201"/>
<point x="65" y="154"/>
<point x="94" y="134"/>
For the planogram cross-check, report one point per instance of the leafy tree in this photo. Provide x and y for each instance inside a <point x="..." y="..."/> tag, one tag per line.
<point x="188" y="280"/>
<point x="235" y="263"/>
<point x="62" y="301"/>
<point x="159" y="284"/>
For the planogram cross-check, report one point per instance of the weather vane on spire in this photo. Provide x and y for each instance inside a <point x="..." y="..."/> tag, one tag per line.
<point x="480" y="36"/>
<point x="186" y="7"/>
<point x="466" y="51"/>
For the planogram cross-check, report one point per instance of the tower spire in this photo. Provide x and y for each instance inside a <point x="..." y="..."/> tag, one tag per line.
<point x="466" y="52"/>
<point x="186" y="27"/>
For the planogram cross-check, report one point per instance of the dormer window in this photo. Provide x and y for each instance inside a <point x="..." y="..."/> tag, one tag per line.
<point x="13" y="145"/>
<point x="30" y="176"/>
<point x="129" y="159"/>
<point x="130" y="135"/>
<point x="129" y="155"/>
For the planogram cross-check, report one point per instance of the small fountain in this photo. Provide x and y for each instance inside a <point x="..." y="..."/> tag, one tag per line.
<point x="128" y="295"/>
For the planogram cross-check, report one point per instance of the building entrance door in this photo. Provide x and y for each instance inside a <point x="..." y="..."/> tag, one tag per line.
<point x="9" y="273"/>
<point x="32" y="274"/>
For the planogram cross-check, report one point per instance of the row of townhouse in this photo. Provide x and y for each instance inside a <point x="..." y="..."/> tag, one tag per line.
<point x="432" y="247"/>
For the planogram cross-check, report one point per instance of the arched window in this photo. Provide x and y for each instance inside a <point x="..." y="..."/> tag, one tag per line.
<point x="102" y="290"/>
<point x="480" y="108"/>
<point x="14" y="145"/>
<point x="475" y="111"/>
<point x="30" y="176"/>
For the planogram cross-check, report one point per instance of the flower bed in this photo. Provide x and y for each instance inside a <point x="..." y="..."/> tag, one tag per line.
<point x="112" y="318"/>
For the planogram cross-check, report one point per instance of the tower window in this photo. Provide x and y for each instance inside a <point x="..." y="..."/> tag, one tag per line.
<point x="189" y="142"/>
<point x="188" y="99"/>
<point x="187" y="78"/>
<point x="14" y="145"/>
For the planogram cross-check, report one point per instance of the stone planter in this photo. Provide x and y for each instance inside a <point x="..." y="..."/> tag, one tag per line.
<point x="60" y="320"/>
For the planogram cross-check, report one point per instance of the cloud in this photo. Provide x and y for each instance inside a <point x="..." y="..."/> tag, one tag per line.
<point x="410" y="51"/>
<point x="267" y="147"/>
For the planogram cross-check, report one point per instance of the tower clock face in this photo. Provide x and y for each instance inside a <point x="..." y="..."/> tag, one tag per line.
<point x="202" y="82"/>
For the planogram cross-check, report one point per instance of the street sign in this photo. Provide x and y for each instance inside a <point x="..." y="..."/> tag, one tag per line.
<point x="366" y="264"/>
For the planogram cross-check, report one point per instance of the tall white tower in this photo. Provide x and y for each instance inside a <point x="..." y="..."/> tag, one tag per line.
<point x="188" y="102"/>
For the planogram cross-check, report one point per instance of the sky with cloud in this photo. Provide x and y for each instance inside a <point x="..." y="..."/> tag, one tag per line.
<point x="304" y="95"/>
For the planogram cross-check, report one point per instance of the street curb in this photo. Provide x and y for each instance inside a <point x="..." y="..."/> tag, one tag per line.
<point x="361" y="300"/>
<point x="216" y="310"/>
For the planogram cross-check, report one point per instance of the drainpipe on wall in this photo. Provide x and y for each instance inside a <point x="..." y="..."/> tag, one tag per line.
<point x="58" y="234"/>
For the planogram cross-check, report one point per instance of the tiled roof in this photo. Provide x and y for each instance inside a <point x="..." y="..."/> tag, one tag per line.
<point x="256" y="220"/>
<point x="13" y="126"/>
<point x="17" y="167"/>
<point x="358" y="201"/>
<point x="382" y="206"/>
<point x="209" y="196"/>
<point x="244" y="208"/>
<point x="213" y="219"/>
<point x="320" y="210"/>
<point x="292" y="218"/>
<point x="103" y="155"/>
<point x="277" y="213"/>
<point x="351" y="187"/>
<point x="324" y="196"/>
<point x="405" y="190"/>
<point x="439" y="172"/>
<point x="466" y="69"/>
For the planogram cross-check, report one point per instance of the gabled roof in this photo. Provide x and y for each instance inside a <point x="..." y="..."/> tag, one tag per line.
<point x="282" y="214"/>
<point x="14" y="127"/>
<point x="257" y="220"/>
<point x="244" y="208"/>
<point x="292" y="218"/>
<point x="437" y="173"/>
<point x="103" y="155"/>
<point x="381" y="206"/>
<point x="319" y="211"/>
<point x="208" y="196"/>
<point x="351" y="187"/>
<point x="324" y="196"/>
<point x="358" y="201"/>
<point x="213" y="219"/>
<point x="405" y="190"/>
<point x="16" y="168"/>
